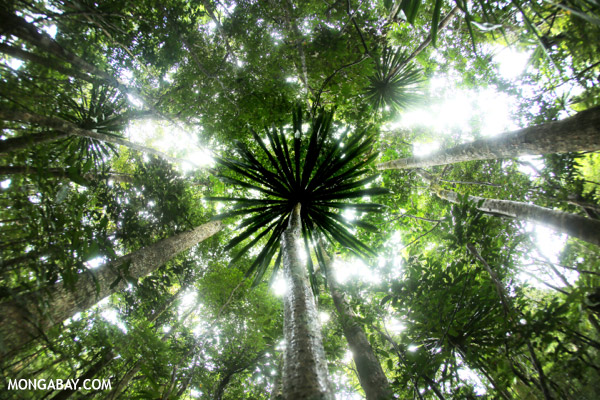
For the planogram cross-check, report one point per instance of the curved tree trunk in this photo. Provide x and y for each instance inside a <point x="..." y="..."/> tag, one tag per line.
<point x="30" y="315"/>
<point x="583" y="228"/>
<point x="370" y="374"/>
<point x="69" y="128"/>
<point x="580" y="132"/>
<point x="305" y="366"/>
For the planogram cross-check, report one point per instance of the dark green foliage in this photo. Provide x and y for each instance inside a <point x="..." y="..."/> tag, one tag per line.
<point x="98" y="109"/>
<point x="395" y="83"/>
<point x="316" y="170"/>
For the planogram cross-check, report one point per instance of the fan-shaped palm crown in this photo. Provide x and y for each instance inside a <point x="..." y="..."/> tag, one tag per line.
<point x="316" y="170"/>
<point x="395" y="83"/>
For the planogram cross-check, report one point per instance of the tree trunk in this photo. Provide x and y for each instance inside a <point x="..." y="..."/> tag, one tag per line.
<point x="49" y="63"/>
<point x="66" y="127"/>
<point x="109" y="354"/>
<point x="91" y="372"/>
<point x="29" y="316"/>
<point x="580" y="132"/>
<point x="573" y="225"/>
<point x="305" y="366"/>
<point x="370" y="374"/>
<point x="23" y="142"/>
<point x="18" y="26"/>
<point x="62" y="173"/>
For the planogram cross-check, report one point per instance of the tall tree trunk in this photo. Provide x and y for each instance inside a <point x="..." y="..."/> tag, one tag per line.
<point x="370" y="374"/>
<point x="510" y="314"/>
<point x="107" y="355"/>
<point x="573" y="225"/>
<point x="23" y="142"/>
<point x="46" y="62"/>
<point x="66" y="127"/>
<point x="30" y="315"/>
<point x="305" y="366"/>
<point x="62" y="173"/>
<point x="580" y="132"/>
<point x="586" y="229"/>
<point x="18" y="26"/>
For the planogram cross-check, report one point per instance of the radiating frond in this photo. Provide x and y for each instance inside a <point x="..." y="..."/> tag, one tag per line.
<point x="396" y="83"/>
<point x="314" y="169"/>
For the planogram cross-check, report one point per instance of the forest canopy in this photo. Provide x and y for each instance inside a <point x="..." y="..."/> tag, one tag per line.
<point x="332" y="199"/>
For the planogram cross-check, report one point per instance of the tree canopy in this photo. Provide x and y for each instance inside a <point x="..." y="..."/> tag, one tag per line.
<point x="209" y="199"/>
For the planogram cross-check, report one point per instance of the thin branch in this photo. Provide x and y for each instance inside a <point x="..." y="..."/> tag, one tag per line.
<point x="415" y="217"/>
<point x="420" y="237"/>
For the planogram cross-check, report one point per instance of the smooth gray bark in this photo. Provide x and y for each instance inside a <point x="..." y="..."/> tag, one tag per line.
<point x="305" y="365"/>
<point x="580" y="132"/>
<point x="31" y="315"/>
<point x="68" y="128"/>
<point x="370" y="374"/>
<point x="583" y="228"/>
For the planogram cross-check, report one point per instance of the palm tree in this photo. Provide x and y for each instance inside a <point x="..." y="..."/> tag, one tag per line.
<point x="300" y="184"/>
<point x="396" y="81"/>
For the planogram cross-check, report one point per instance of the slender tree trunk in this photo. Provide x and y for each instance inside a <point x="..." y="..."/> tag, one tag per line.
<point x="401" y="356"/>
<point x="573" y="225"/>
<point x="49" y="63"/>
<point x="443" y="23"/>
<point x="109" y="354"/>
<point x="580" y="132"/>
<point x="23" y="142"/>
<point x="91" y="372"/>
<point x="510" y="314"/>
<point x="370" y="374"/>
<point x="137" y="366"/>
<point x="305" y="366"/>
<point x="30" y="315"/>
<point x="61" y="173"/>
<point x="66" y="127"/>
<point x="18" y="26"/>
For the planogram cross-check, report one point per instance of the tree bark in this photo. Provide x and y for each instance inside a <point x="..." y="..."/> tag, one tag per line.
<point x="18" y="26"/>
<point x="305" y="366"/>
<point x="23" y="142"/>
<point x="49" y="63"/>
<point x="62" y="173"/>
<point x="580" y="132"/>
<point x="586" y="229"/>
<point x="577" y="226"/>
<point x="69" y="128"/>
<point x="30" y="315"/>
<point x="370" y="374"/>
<point x="109" y="354"/>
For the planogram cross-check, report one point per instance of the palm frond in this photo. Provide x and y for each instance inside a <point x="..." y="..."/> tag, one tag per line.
<point x="396" y="82"/>
<point x="314" y="169"/>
